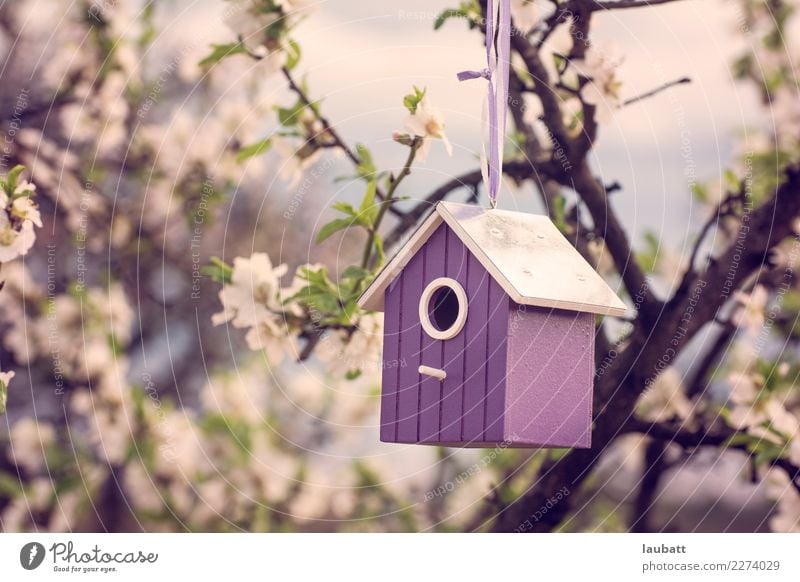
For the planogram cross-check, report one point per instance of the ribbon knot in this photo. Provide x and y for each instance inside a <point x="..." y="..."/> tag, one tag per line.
<point x="498" y="59"/>
<point x="469" y="75"/>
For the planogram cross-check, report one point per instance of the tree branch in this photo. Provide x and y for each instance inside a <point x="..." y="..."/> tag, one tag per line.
<point x="607" y="224"/>
<point x="656" y="91"/>
<point x="329" y="130"/>
<point x="648" y="350"/>
<point x="326" y="125"/>
<point x="654" y="466"/>
<point x="693" y="439"/>
<point x="389" y="200"/>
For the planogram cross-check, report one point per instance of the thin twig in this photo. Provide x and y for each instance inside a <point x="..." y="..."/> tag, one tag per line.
<point x="389" y="200"/>
<point x="656" y="91"/>
<point x="326" y="125"/>
<point x="328" y="129"/>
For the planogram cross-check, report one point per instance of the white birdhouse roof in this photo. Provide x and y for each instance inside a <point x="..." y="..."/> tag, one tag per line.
<point x="525" y="253"/>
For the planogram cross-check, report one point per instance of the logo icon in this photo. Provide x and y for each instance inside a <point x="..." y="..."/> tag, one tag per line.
<point x="31" y="555"/>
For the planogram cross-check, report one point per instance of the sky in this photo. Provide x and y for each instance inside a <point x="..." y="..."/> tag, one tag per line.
<point x="362" y="57"/>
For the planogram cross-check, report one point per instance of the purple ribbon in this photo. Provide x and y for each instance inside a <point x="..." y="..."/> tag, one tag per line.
<point x="498" y="57"/>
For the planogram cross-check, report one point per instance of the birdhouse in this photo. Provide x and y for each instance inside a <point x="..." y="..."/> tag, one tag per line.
<point x="489" y="322"/>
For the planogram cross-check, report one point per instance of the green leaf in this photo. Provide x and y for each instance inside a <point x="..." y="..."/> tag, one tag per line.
<point x="325" y="302"/>
<point x="560" y="213"/>
<point x="254" y="149"/>
<point x="292" y="55"/>
<point x="366" y="168"/>
<point x="12" y="177"/>
<point x="222" y="51"/>
<point x="447" y="15"/>
<point x="742" y="66"/>
<point x="148" y="28"/>
<point x="219" y="271"/>
<point x="9" y="486"/>
<point x="648" y="258"/>
<point x="731" y="180"/>
<point x="557" y="454"/>
<point x="352" y="374"/>
<point x="412" y="100"/>
<point x="3" y="397"/>
<point x="379" y="252"/>
<point x="768" y="452"/>
<point x="559" y="62"/>
<point x="289" y="116"/>
<point x="238" y="431"/>
<point x="332" y="227"/>
<point x="346" y="208"/>
<point x="368" y="211"/>
<point x="320" y="293"/>
<point x="352" y="284"/>
<point x="700" y="192"/>
<point x="318" y="278"/>
<point x="355" y="272"/>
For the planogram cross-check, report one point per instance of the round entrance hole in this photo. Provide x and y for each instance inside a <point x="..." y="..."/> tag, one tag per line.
<point x="443" y="308"/>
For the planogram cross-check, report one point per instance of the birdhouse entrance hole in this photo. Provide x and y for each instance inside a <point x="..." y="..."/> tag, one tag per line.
<point x="443" y="308"/>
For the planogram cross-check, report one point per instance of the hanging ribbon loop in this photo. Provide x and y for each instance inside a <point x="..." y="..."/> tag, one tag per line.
<point x="498" y="57"/>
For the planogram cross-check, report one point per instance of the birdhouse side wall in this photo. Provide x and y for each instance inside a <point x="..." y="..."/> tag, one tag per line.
<point x="550" y="377"/>
<point x="468" y="406"/>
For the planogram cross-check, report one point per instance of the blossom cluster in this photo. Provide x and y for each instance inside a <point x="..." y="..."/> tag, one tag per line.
<point x="18" y="216"/>
<point x="275" y="316"/>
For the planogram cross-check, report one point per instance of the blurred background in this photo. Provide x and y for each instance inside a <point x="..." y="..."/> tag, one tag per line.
<point x="131" y="410"/>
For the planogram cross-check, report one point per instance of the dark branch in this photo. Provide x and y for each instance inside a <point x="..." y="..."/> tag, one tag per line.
<point x="608" y="226"/>
<point x="654" y="466"/>
<point x="637" y="362"/>
<point x="656" y="91"/>
<point x="329" y="130"/>
<point x="326" y="125"/>
<point x="693" y="439"/>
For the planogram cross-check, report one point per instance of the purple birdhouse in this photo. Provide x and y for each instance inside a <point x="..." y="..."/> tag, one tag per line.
<point x="488" y="332"/>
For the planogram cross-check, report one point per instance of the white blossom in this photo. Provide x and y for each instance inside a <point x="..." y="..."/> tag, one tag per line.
<point x="293" y="160"/>
<point x="252" y="300"/>
<point x="5" y="379"/>
<point x="29" y="442"/>
<point x="360" y="350"/>
<point x="744" y="386"/>
<point x="526" y="14"/>
<point x="785" y="108"/>
<point x="237" y="395"/>
<point x="140" y="489"/>
<point x="749" y="314"/>
<point x="25" y="209"/>
<point x="25" y="188"/>
<point x="665" y="398"/>
<point x="14" y="241"/>
<point x="599" y="66"/>
<point x="17" y="220"/>
<point x="786" y="518"/>
<point x="249" y="22"/>
<point x="253" y="292"/>
<point x="427" y="122"/>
